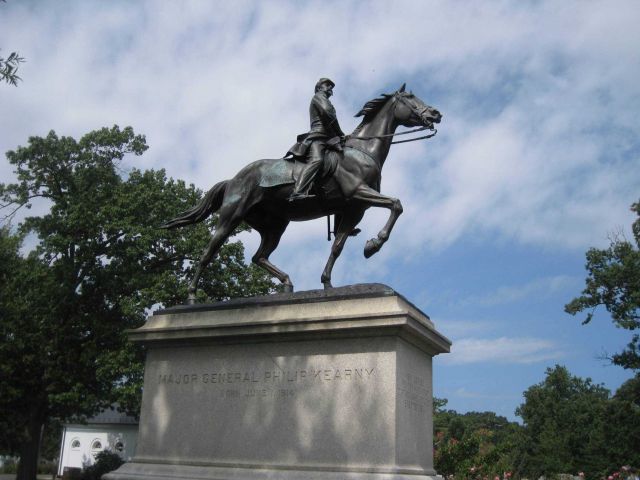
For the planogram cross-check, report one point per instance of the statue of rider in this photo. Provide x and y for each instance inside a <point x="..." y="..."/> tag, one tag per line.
<point x="325" y="133"/>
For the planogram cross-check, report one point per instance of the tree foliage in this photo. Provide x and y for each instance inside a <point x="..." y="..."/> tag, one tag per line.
<point x="9" y="68"/>
<point x="613" y="281"/>
<point x="621" y="426"/>
<point x="99" y="264"/>
<point x="560" y="415"/>
<point x="474" y="445"/>
<point x="572" y="425"/>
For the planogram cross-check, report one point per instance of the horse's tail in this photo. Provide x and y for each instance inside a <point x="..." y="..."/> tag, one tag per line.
<point x="205" y="207"/>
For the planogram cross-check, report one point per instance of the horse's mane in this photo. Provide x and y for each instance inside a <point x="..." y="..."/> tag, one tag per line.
<point x="370" y="109"/>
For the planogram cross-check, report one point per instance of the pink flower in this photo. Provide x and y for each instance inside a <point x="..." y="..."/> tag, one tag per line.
<point x="610" y="477"/>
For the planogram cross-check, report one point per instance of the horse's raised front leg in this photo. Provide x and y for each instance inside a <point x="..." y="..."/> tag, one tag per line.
<point x="372" y="198"/>
<point x="344" y="229"/>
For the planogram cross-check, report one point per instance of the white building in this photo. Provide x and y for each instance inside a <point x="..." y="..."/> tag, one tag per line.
<point x="109" y="430"/>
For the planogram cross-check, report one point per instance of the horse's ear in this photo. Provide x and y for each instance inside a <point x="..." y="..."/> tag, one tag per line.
<point x="401" y="90"/>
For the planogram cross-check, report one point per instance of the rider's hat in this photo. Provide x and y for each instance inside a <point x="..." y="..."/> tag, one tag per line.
<point x="322" y="81"/>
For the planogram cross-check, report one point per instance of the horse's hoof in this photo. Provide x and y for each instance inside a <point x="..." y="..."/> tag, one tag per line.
<point x="287" y="288"/>
<point x="327" y="285"/>
<point x="371" y="247"/>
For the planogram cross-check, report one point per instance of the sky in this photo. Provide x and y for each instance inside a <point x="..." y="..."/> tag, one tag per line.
<point x="535" y="161"/>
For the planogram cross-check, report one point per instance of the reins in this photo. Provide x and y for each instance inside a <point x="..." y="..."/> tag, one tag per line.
<point x="417" y="138"/>
<point x="400" y="133"/>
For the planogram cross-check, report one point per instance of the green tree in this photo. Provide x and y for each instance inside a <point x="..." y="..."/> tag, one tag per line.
<point x="475" y="444"/>
<point x="614" y="282"/>
<point x="99" y="264"/>
<point x="563" y="423"/>
<point x="439" y="404"/>
<point x="621" y="427"/>
<point x="475" y="456"/>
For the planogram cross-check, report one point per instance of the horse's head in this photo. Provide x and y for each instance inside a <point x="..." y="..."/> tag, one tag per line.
<point x="411" y="111"/>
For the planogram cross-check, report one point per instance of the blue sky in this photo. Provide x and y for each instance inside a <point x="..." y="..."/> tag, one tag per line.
<point x="535" y="161"/>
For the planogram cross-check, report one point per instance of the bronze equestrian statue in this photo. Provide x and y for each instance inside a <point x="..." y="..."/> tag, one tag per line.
<point x="259" y="193"/>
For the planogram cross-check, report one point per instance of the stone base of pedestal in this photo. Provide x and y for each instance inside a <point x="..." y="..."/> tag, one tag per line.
<point x="313" y="385"/>
<point x="157" y="471"/>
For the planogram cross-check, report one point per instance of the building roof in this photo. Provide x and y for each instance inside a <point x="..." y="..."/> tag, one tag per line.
<point x="110" y="416"/>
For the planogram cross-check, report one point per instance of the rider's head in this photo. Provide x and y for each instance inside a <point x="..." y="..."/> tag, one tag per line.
<point x="326" y="85"/>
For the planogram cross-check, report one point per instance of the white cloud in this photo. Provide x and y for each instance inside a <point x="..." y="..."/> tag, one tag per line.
<point x="501" y="350"/>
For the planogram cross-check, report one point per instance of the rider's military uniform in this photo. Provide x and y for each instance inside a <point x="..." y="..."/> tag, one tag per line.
<point x="324" y="127"/>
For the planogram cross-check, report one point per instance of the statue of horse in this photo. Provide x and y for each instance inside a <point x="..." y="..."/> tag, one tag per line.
<point x="258" y="194"/>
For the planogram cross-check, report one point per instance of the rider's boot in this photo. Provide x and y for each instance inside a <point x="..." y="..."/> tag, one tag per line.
<point x="309" y="174"/>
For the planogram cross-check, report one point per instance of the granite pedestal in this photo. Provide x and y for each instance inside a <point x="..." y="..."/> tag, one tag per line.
<point x="329" y="384"/>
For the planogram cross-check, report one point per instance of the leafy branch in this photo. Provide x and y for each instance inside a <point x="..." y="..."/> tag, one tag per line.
<point x="9" y="68"/>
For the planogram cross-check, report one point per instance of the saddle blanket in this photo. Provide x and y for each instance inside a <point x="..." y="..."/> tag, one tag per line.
<point x="283" y="171"/>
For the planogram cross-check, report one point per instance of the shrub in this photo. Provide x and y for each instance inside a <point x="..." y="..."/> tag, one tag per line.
<point x="10" y="466"/>
<point x="47" y="467"/>
<point x="106" y="461"/>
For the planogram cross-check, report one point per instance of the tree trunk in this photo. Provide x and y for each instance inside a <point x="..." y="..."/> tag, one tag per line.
<point x="30" y="448"/>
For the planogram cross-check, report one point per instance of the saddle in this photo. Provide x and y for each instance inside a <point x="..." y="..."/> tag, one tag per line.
<point x="300" y="153"/>
<point x="287" y="170"/>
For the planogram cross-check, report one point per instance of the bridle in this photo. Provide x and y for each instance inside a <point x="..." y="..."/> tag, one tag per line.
<point x="419" y="115"/>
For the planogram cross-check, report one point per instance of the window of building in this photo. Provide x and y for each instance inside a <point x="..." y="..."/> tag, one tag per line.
<point x="96" y="448"/>
<point x="119" y="446"/>
<point x="75" y="444"/>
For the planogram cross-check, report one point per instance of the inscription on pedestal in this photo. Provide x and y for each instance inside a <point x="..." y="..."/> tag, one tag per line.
<point x="267" y="384"/>
<point x="274" y="376"/>
<point x="414" y="393"/>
